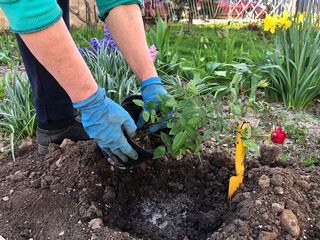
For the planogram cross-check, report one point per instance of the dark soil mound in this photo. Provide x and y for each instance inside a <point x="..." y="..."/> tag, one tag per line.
<point x="73" y="193"/>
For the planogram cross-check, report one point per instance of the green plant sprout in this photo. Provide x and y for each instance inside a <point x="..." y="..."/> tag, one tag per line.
<point x="311" y="161"/>
<point x="286" y="157"/>
<point x="296" y="132"/>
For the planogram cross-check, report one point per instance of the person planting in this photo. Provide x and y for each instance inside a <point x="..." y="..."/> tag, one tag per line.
<point x="61" y="80"/>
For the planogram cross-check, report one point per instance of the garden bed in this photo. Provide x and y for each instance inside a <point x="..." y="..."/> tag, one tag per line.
<point x="73" y="193"/>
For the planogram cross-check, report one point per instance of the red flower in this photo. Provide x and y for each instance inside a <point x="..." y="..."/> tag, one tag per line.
<point x="169" y="23"/>
<point x="278" y="136"/>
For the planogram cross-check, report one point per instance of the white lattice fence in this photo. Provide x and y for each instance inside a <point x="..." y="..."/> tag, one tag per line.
<point x="249" y="9"/>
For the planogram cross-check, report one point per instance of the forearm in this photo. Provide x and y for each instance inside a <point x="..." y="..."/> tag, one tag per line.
<point x="56" y="51"/>
<point x="126" y="27"/>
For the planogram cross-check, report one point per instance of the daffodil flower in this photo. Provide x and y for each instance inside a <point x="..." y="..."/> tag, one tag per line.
<point x="283" y="21"/>
<point x="270" y="23"/>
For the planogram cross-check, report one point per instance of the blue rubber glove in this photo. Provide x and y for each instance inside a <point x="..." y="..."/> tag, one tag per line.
<point x="104" y="120"/>
<point x="149" y="90"/>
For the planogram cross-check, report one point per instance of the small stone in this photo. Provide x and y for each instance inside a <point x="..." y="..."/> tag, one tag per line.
<point x="265" y="216"/>
<point x="59" y="162"/>
<point x="18" y="176"/>
<point x="316" y="204"/>
<point x="267" y="236"/>
<point x="258" y="203"/>
<point x="279" y="190"/>
<point x="174" y="186"/>
<point x="61" y="233"/>
<point x="292" y="205"/>
<point x="277" y="207"/>
<point x="276" y="180"/>
<point x="264" y="181"/>
<point x="303" y="184"/>
<point x="49" y="179"/>
<point x="35" y="183"/>
<point x="5" y="199"/>
<point x="33" y="175"/>
<point x="66" y="142"/>
<point x="11" y="191"/>
<point x="96" y="223"/>
<point x="43" y="183"/>
<point x="289" y="222"/>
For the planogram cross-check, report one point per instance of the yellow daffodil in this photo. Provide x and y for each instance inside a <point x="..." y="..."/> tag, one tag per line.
<point x="283" y="21"/>
<point x="270" y="23"/>
<point x="301" y="18"/>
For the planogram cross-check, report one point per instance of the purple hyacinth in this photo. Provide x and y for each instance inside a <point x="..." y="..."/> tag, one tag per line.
<point x="84" y="52"/>
<point x="111" y="45"/>
<point x="95" y="44"/>
<point x="107" y="42"/>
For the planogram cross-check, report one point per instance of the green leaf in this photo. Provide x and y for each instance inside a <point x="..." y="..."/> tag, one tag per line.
<point x="208" y="101"/>
<point x="192" y="133"/>
<point x="193" y="89"/>
<point x="186" y="104"/>
<point x="159" y="152"/>
<point x="179" y="140"/>
<point x="138" y="102"/>
<point x="206" y="136"/>
<point x="153" y="115"/>
<point x="247" y="152"/>
<point x="202" y="113"/>
<point x="172" y="103"/>
<point x="173" y="153"/>
<point x="183" y="121"/>
<point x="237" y="109"/>
<point x="165" y="138"/>
<point x="170" y="124"/>
<point x="252" y="145"/>
<point x="192" y="145"/>
<point x="146" y="116"/>
<point x="199" y="102"/>
<point x="194" y="120"/>
<point x="152" y="105"/>
<point x="175" y="130"/>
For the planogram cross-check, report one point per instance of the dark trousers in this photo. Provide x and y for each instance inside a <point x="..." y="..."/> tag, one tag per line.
<point x="50" y="99"/>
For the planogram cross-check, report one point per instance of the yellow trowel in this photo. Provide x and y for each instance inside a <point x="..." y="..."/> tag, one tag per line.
<point x="235" y="181"/>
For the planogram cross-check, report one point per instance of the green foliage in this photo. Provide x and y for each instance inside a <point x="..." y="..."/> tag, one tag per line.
<point x="192" y="112"/>
<point x="17" y="109"/>
<point x="286" y="157"/>
<point x="9" y="51"/>
<point x="167" y="58"/>
<point x="83" y="35"/>
<point x="293" y="68"/>
<point x="311" y="161"/>
<point x="297" y="132"/>
<point x="2" y="87"/>
<point x="111" y="71"/>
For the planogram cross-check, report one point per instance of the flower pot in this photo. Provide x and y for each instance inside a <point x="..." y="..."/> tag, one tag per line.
<point x="143" y="154"/>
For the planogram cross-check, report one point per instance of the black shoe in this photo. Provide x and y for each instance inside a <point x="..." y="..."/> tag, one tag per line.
<point x="74" y="132"/>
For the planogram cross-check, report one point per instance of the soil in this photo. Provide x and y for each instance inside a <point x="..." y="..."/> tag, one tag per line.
<point x="74" y="193"/>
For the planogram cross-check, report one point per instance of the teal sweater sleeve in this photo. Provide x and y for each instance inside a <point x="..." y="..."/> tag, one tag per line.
<point x="104" y="6"/>
<point x="26" y="16"/>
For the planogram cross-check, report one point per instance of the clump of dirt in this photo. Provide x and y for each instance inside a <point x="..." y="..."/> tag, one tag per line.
<point x="73" y="193"/>
<point x="147" y="140"/>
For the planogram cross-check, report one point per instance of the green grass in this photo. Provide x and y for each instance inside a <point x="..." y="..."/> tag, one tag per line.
<point x="191" y="39"/>
<point x="9" y="51"/>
